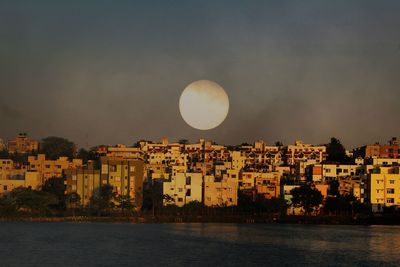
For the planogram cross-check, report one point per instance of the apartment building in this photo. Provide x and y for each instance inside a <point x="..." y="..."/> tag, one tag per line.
<point x="22" y="144"/>
<point x="383" y="185"/>
<point x="183" y="187"/>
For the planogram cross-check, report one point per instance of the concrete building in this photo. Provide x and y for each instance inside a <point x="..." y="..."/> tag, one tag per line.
<point x="389" y="150"/>
<point x="126" y="176"/>
<point x="268" y="185"/>
<point x="385" y="161"/>
<point x="22" y="144"/>
<point x="183" y="187"/>
<point x="330" y="172"/>
<point x="121" y="151"/>
<point x="3" y="145"/>
<point x="302" y="152"/>
<point x="51" y="168"/>
<point x="19" y="178"/>
<point x="220" y="192"/>
<point x="383" y="187"/>
<point x="353" y="185"/>
<point x="85" y="181"/>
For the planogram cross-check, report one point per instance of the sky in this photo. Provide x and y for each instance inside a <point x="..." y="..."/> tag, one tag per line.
<point x="109" y="72"/>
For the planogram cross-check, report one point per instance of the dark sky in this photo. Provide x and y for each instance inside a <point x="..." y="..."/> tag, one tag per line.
<point x="107" y="72"/>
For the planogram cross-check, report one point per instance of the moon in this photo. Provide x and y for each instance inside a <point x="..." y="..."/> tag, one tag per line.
<point x="204" y="104"/>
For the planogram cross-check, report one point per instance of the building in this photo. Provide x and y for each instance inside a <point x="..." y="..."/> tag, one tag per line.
<point x="383" y="187"/>
<point x="390" y="150"/>
<point x="121" y="151"/>
<point x="353" y="186"/>
<point x="51" y="168"/>
<point x="3" y="145"/>
<point x="220" y="192"/>
<point x="19" y="178"/>
<point x="22" y="144"/>
<point x="302" y="152"/>
<point x="84" y="181"/>
<point x="268" y="185"/>
<point x="183" y="187"/>
<point x="385" y="161"/>
<point x="126" y="176"/>
<point x="330" y="172"/>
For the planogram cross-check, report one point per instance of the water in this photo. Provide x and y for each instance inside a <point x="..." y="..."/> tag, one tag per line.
<point x="105" y="244"/>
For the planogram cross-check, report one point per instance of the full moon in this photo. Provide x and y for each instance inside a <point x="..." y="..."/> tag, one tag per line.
<point x="204" y="104"/>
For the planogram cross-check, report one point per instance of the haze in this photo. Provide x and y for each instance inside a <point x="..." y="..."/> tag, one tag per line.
<point x="106" y="72"/>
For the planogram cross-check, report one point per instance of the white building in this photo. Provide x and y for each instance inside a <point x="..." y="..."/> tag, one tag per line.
<point x="183" y="187"/>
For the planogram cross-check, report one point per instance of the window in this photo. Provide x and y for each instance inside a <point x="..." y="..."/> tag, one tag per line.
<point x="180" y="189"/>
<point x="391" y="181"/>
<point x="390" y="200"/>
<point x="132" y="168"/>
<point x="390" y="190"/>
<point x="5" y="188"/>
<point x="48" y="166"/>
<point x="113" y="168"/>
<point x="188" y="180"/>
<point x="117" y="179"/>
<point x="188" y="192"/>
<point x="180" y="199"/>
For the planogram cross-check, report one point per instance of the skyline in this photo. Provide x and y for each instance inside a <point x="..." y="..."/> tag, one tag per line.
<point x="97" y="73"/>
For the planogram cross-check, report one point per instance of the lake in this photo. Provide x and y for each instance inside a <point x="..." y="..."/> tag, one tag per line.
<point x="195" y="244"/>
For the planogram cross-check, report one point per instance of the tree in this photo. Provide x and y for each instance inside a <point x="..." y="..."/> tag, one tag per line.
<point x="54" y="147"/>
<point x="306" y="197"/>
<point x="56" y="187"/>
<point x="153" y="196"/>
<point x="86" y="155"/>
<point x="73" y="201"/>
<point x="183" y="141"/>
<point x="278" y="143"/>
<point x="343" y="205"/>
<point x="336" y="152"/>
<point x="8" y="206"/>
<point x="102" y="201"/>
<point x="125" y="203"/>
<point x="33" y="201"/>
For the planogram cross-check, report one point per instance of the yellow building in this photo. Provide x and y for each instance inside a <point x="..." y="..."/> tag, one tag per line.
<point x="126" y="176"/>
<point x="352" y="186"/>
<point x="123" y="152"/>
<point x="51" y="168"/>
<point x="220" y="193"/>
<point x="6" y="168"/>
<point x="383" y="185"/>
<point x="20" y="178"/>
<point x="84" y="182"/>
<point x="268" y="184"/>
<point x="22" y="144"/>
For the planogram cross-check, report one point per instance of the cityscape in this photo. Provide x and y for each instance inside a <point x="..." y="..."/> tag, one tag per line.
<point x="199" y="133"/>
<point x="280" y="180"/>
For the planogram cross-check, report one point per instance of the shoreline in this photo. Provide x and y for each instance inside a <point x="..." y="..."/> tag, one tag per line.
<point x="299" y="220"/>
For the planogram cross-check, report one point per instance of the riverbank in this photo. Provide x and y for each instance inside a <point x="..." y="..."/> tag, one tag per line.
<point x="325" y="220"/>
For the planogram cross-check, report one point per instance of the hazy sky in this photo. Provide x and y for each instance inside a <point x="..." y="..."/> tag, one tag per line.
<point x="107" y="72"/>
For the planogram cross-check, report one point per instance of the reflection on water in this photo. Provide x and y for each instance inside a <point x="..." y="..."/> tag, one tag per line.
<point x="97" y="244"/>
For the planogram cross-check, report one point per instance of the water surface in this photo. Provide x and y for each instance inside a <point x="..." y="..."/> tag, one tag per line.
<point x="121" y="244"/>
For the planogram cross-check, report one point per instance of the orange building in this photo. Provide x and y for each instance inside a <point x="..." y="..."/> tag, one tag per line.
<point x="22" y="144"/>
